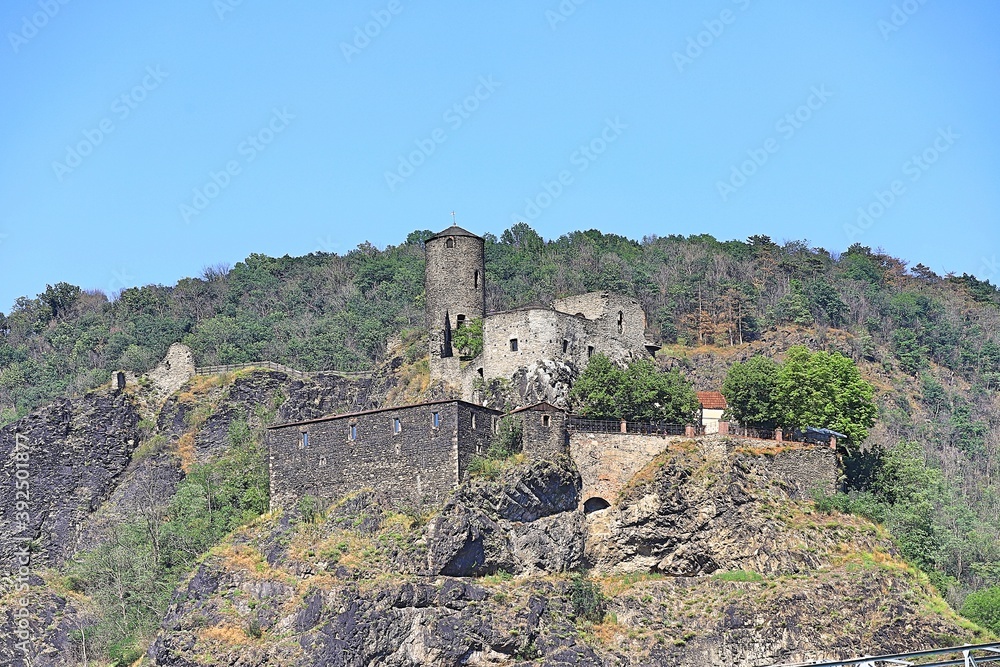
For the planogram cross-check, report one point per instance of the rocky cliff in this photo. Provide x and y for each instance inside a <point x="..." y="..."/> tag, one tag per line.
<point x="725" y="567"/>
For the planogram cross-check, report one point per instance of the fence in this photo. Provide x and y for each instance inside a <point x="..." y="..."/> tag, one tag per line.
<point x="747" y="432"/>
<point x="274" y="366"/>
<point x="615" y="426"/>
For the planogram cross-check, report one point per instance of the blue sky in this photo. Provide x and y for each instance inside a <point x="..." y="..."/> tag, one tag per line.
<point x="144" y="141"/>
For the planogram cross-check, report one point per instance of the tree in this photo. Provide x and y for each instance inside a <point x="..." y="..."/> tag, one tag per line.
<point x="983" y="607"/>
<point x="750" y="388"/>
<point x="825" y="390"/>
<point x="468" y="338"/>
<point x="639" y="392"/>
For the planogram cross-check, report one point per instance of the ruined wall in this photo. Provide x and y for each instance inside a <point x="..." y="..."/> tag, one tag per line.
<point x="541" y="334"/>
<point x="611" y="316"/>
<point x="808" y="468"/>
<point x="454" y="283"/>
<point x="419" y="464"/>
<point x="176" y="368"/>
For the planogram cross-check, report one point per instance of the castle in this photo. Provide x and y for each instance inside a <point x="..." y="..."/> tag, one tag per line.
<point x="571" y="331"/>
<point x="419" y="453"/>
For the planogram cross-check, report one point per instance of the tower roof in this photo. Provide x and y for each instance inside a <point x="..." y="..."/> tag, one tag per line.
<point x="454" y="230"/>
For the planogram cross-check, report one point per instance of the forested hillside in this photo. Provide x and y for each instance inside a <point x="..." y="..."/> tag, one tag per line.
<point x="930" y="343"/>
<point x="326" y="311"/>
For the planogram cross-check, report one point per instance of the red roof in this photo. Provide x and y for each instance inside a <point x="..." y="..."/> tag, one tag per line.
<point x="712" y="400"/>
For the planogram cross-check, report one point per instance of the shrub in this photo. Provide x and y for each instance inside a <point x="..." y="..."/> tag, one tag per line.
<point x="983" y="607"/>
<point x="589" y="603"/>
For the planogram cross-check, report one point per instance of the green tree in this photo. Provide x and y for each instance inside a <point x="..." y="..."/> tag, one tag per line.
<point x="825" y="390"/>
<point x="750" y="389"/>
<point x="639" y="392"/>
<point x="468" y="338"/>
<point x="983" y="607"/>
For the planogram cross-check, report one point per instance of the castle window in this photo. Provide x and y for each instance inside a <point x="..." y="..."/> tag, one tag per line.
<point x="450" y="243"/>
<point x="435" y="419"/>
<point x="546" y="421"/>
<point x="590" y="351"/>
<point x="322" y="461"/>
<point x="352" y="432"/>
<point x="475" y="280"/>
<point x="459" y="321"/>
<point x="303" y="439"/>
<point x="397" y="426"/>
<point x="621" y="322"/>
<point x="565" y="346"/>
<point x="473" y="420"/>
<point x="513" y="345"/>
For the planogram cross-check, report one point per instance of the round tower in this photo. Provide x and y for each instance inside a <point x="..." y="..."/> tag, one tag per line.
<point x="454" y="286"/>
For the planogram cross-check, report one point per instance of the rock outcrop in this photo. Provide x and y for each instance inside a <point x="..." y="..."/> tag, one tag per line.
<point x="369" y="585"/>
<point x="57" y="466"/>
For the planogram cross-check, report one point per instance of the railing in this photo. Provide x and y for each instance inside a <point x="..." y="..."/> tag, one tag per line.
<point x="747" y="432"/>
<point x="969" y="655"/>
<point x="274" y="366"/>
<point x="616" y="426"/>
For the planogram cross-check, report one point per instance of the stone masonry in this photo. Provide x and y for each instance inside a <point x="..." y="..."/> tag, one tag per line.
<point x="416" y="453"/>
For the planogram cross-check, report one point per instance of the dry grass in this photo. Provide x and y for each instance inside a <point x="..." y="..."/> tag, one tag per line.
<point x="224" y="634"/>
<point x="201" y="385"/>
<point x="185" y="450"/>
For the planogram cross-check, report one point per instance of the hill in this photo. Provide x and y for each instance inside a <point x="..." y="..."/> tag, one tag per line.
<point x="173" y="480"/>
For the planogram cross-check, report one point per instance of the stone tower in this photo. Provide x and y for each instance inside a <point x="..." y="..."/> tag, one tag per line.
<point x="454" y="283"/>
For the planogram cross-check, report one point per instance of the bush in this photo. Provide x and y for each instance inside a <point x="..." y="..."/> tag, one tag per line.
<point x="589" y="603"/>
<point x="983" y="607"/>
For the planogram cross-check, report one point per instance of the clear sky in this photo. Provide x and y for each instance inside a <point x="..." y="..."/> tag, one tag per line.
<point x="143" y="141"/>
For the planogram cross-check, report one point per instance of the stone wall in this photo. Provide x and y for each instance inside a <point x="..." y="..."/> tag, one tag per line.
<point x="809" y="468"/>
<point x="541" y="333"/>
<point x="544" y="432"/>
<point x="454" y="283"/>
<point x="421" y="463"/>
<point x="174" y="371"/>
<point x="608" y="461"/>
<point x="610" y="316"/>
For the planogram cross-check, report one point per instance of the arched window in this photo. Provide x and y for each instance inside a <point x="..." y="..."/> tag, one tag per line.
<point x="475" y="279"/>
<point x="450" y="243"/>
<point x="546" y="421"/>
